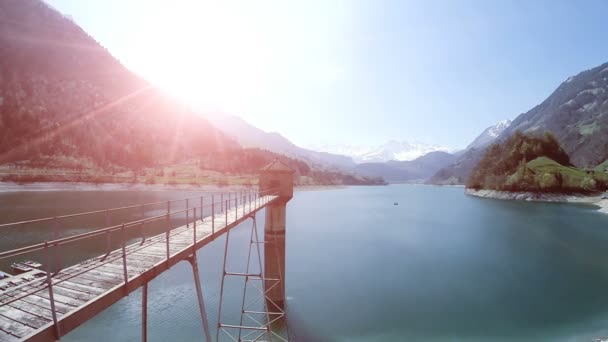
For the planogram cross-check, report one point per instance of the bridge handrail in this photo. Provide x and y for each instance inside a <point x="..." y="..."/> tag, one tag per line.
<point x="4" y="225"/>
<point x="57" y="242"/>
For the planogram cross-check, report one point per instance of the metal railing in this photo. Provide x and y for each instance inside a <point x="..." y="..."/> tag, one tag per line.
<point x="210" y="202"/>
<point x="215" y="205"/>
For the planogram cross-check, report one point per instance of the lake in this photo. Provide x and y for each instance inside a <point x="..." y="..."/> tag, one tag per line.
<point x="440" y="266"/>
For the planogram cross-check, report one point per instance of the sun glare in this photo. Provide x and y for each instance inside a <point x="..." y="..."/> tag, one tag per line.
<point x="207" y="53"/>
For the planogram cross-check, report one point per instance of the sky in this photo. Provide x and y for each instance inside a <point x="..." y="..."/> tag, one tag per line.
<point x="354" y="72"/>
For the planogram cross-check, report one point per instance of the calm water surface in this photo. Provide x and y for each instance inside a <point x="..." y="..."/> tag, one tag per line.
<point x="440" y="266"/>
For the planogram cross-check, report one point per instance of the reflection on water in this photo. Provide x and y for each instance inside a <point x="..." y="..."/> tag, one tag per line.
<point x="441" y="266"/>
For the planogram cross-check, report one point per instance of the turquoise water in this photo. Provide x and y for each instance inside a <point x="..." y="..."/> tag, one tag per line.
<point x="440" y="266"/>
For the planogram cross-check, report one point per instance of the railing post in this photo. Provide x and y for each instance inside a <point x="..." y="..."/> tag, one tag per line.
<point x="142" y="226"/>
<point x="212" y="215"/>
<point x="167" y="234"/>
<point x="108" y="237"/>
<point x="226" y="213"/>
<point x="187" y="206"/>
<point x="124" y="256"/>
<point x="194" y="227"/>
<point x="236" y="209"/>
<point x="57" y="249"/>
<point x="221" y="202"/>
<point x="50" y="286"/>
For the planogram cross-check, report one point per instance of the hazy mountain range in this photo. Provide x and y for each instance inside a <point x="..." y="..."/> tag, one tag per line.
<point x="73" y="101"/>
<point x="391" y="150"/>
<point x="250" y="136"/>
<point x="418" y="161"/>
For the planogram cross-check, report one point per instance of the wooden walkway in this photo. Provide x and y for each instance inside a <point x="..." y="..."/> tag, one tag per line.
<point x="81" y="291"/>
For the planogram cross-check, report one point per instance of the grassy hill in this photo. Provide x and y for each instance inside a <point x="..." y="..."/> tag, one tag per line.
<point x="530" y="163"/>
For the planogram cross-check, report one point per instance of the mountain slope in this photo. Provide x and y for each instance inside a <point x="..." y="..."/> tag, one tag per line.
<point x="576" y="114"/>
<point x="489" y="135"/>
<point x="66" y="101"/>
<point x="65" y="95"/>
<point x="401" y="171"/>
<point x="250" y="136"/>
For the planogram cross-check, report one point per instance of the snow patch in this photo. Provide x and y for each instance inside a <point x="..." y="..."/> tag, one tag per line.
<point x="569" y="79"/>
<point x="594" y="91"/>
<point x="570" y="102"/>
<point x="532" y="129"/>
<point x="588" y="106"/>
<point x="604" y="70"/>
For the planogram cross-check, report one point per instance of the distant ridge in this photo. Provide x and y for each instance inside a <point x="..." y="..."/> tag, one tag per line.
<point x="391" y="150"/>
<point x="250" y="136"/>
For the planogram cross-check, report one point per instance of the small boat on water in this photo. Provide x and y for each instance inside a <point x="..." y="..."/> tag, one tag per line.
<point x="396" y="203"/>
<point x="25" y="266"/>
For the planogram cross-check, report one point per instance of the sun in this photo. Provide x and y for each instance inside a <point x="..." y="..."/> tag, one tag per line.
<point x="206" y="54"/>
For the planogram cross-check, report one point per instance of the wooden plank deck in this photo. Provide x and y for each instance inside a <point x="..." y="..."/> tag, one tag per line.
<point x="83" y="290"/>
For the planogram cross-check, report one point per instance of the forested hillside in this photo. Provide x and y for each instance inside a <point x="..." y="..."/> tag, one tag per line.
<point x="66" y="103"/>
<point x="531" y="163"/>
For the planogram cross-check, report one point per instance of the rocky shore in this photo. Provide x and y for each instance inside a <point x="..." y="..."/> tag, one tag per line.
<point x="596" y="200"/>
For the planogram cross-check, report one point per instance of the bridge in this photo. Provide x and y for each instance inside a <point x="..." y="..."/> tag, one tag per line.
<point x="47" y="301"/>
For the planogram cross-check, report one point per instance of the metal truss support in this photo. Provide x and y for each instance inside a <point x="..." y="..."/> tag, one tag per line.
<point x="199" y="295"/>
<point x="255" y="318"/>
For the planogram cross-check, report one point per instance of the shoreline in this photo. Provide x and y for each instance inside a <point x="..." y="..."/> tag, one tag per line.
<point x="6" y="187"/>
<point x="595" y="200"/>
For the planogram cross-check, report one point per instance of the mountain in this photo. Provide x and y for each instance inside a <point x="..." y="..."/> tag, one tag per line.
<point x="576" y="114"/>
<point x="66" y="96"/>
<point x="401" y="171"/>
<point x="67" y="103"/>
<point x="250" y="136"/>
<point x="489" y="135"/>
<point x="392" y="150"/>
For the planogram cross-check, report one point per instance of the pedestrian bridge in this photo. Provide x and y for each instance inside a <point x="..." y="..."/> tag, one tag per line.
<point x="46" y="303"/>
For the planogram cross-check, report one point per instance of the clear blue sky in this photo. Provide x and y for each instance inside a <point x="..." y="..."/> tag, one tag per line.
<point x="355" y="72"/>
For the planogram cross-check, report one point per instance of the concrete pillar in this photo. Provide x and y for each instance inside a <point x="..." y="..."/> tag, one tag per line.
<point x="276" y="177"/>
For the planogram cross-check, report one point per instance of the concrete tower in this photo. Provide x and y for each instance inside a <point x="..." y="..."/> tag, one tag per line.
<point x="276" y="177"/>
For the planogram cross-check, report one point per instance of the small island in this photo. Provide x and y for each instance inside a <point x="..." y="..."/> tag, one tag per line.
<point x="527" y="167"/>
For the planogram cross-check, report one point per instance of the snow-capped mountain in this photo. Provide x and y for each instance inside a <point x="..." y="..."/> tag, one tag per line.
<point x="489" y="135"/>
<point x="392" y="150"/>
